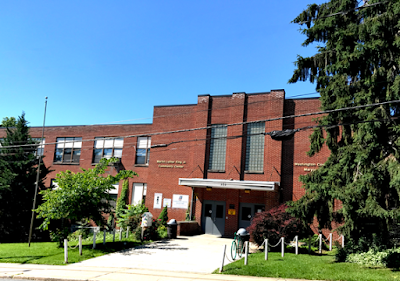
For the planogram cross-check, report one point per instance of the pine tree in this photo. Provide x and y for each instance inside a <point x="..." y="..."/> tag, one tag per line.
<point x="18" y="170"/>
<point x="163" y="218"/>
<point x="357" y="63"/>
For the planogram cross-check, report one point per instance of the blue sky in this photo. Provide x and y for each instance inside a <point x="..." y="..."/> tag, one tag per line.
<point x="112" y="61"/>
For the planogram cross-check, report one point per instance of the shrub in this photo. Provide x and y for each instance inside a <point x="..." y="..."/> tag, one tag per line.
<point x="162" y="231"/>
<point x="163" y="218"/>
<point x="132" y="216"/>
<point x="386" y="258"/>
<point x="274" y="224"/>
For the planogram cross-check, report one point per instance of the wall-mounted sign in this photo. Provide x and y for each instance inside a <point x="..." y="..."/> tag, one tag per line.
<point x="172" y="164"/>
<point x="157" y="200"/>
<point x="167" y="202"/>
<point x="309" y="165"/>
<point x="231" y="212"/>
<point x="180" y="201"/>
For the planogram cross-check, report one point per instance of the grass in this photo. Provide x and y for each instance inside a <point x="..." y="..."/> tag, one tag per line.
<point x="304" y="266"/>
<point x="49" y="253"/>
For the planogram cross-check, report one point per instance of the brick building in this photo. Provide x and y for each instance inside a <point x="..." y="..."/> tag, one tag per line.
<point x="209" y="159"/>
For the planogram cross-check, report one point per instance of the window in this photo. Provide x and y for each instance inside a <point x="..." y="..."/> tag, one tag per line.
<point x="114" y="195"/>
<point x="68" y="150"/>
<point x="218" y="148"/>
<point x="143" y="150"/>
<point x="255" y="147"/>
<point x="107" y="148"/>
<point x="139" y="191"/>
<point x="40" y="149"/>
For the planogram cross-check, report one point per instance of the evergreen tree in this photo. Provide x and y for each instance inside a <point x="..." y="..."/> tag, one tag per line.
<point x="18" y="170"/>
<point x="163" y="217"/>
<point x="357" y="63"/>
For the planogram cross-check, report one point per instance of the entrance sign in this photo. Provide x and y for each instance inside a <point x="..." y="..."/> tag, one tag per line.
<point x="157" y="200"/>
<point x="180" y="201"/>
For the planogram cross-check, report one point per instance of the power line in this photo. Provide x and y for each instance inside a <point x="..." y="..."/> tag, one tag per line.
<point x="226" y="125"/>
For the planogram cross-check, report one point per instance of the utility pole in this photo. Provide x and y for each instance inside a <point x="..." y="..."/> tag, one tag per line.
<point x="37" y="177"/>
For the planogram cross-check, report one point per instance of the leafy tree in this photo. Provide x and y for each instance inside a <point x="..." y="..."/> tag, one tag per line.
<point x="18" y="171"/>
<point x="132" y="216"/>
<point x="81" y="196"/>
<point x="357" y="63"/>
<point x="8" y="122"/>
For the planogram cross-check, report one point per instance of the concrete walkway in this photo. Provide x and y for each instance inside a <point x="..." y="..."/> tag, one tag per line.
<point x="181" y="259"/>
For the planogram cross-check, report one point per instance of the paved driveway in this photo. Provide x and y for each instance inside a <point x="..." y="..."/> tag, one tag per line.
<point x="202" y="254"/>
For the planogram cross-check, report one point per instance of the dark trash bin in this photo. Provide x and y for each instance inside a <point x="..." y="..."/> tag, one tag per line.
<point x="172" y="228"/>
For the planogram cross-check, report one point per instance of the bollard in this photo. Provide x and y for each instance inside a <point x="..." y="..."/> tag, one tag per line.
<point x="266" y="249"/>
<point x="283" y="246"/>
<point x="246" y="252"/>
<point x="80" y="245"/>
<point x="120" y="234"/>
<point x="94" y="239"/>
<point x="127" y="231"/>
<point x="223" y="259"/>
<point x="320" y="243"/>
<point x="342" y="241"/>
<point x="114" y="235"/>
<point x="104" y="237"/>
<point x="296" y="238"/>
<point x="330" y="241"/>
<point x="65" y="250"/>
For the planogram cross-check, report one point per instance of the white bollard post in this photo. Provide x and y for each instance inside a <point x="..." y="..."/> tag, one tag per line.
<point x="94" y="238"/>
<point x="283" y="246"/>
<point x="266" y="249"/>
<point x="330" y="241"/>
<point x="223" y="259"/>
<point x="80" y="245"/>
<point x="297" y="244"/>
<point x="114" y="235"/>
<point x="320" y="243"/>
<point x="127" y="231"/>
<point x="104" y="237"/>
<point x="246" y="252"/>
<point x="65" y="250"/>
<point x="342" y="241"/>
<point x="120" y="234"/>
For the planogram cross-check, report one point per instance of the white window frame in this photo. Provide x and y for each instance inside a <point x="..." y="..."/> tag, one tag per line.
<point x="102" y="143"/>
<point x="143" y="150"/>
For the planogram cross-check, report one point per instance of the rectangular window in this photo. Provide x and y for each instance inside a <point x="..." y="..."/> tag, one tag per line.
<point x="143" y="150"/>
<point x="255" y="147"/>
<point x="39" y="151"/>
<point x="107" y="148"/>
<point x="68" y="150"/>
<point x="218" y="148"/>
<point x="139" y="191"/>
<point x="114" y="195"/>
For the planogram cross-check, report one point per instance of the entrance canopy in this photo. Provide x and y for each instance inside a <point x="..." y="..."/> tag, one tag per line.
<point x="230" y="184"/>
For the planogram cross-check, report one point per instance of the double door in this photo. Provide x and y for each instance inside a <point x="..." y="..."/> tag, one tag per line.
<point x="247" y="212"/>
<point x="213" y="217"/>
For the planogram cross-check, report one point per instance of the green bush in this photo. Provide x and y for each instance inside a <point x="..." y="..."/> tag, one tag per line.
<point x="132" y="216"/>
<point x="163" y="218"/>
<point x="387" y="258"/>
<point x="162" y="232"/>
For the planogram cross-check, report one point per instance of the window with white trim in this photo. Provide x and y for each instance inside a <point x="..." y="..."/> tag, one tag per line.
<point x="39" y="151"/>
<point x="139" y="191"/>
<point x="114" y="195"/>
<point x="143" y="150"/>
<point x="255" y="147"/>
<point x="107" y="148"/>
<point x="68" y="150"/>
<point x="218" y="148"/>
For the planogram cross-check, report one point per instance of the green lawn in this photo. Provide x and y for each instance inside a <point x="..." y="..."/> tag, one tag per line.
<point x="306" y="266"/>
<point x="49" y="253"/>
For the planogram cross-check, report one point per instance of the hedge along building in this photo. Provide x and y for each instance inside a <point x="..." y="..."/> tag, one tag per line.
<point x="211" y="160"/>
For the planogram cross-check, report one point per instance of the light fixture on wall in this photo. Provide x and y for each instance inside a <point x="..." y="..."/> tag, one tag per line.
<point x="208" y="188"/>
<point x="247" y="191"/>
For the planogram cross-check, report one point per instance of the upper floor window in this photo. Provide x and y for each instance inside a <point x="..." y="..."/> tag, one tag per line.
<point x="218" y="148"/>
<point x="39" y="151"/>
<point x="143" y="150"/>
<point x="107" y="148"/>
<point x="68" y="150"/>
<point x="255" y="147"/>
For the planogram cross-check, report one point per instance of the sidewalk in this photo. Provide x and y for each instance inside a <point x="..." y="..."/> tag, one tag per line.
<point x="48" y="272"/>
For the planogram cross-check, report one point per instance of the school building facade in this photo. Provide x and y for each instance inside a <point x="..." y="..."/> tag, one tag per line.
<point x="214" y="160"/>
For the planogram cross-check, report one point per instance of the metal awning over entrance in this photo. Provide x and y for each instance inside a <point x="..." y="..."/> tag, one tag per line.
<point x="230" y="184"/>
